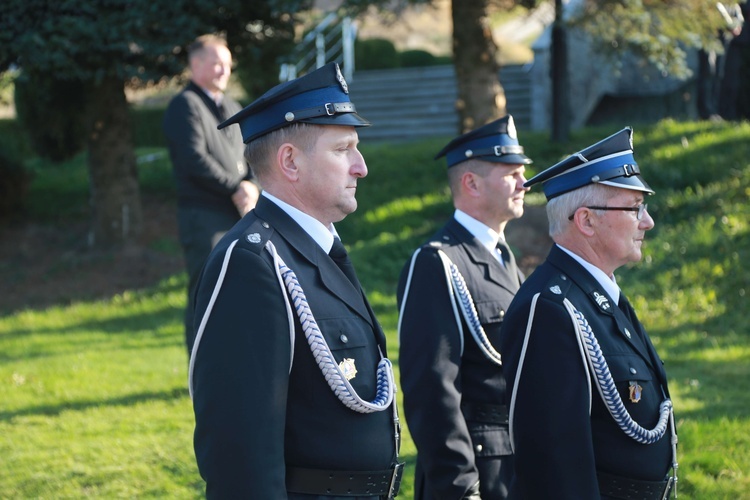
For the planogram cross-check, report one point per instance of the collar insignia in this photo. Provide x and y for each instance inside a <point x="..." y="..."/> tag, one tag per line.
<point x="602" y="301"/>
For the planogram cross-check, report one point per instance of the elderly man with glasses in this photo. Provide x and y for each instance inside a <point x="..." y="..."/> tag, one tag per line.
<point x="589" y="409"/>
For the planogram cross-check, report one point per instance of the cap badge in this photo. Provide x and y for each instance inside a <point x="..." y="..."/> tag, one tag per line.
<point x="555" y="289"/>
<point x="341" y="80"/>
<point x="635" y="392"/>
<point x="347" y="368"/>
<point x="253" y="238"/>
<point x="602" y="301"/>
<point x="512" y="128"/>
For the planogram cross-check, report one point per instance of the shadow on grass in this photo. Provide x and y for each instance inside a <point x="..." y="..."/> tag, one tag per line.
<point x="129" y="400"/>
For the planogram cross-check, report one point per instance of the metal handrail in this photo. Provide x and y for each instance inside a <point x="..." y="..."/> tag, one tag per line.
<point x="333" y="37"/>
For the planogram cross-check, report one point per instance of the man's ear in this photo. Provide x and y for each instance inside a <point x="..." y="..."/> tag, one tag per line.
<point x="287" y="157"/>
<point x="585" y="221"/>
<point x="470" y="183"/>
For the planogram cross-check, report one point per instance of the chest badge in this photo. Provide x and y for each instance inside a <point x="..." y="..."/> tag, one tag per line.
<point x="635" y="392"/>
<point x="348" y="369"/>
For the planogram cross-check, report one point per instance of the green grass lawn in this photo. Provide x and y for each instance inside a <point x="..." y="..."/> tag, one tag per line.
<point x="94" y="398"/>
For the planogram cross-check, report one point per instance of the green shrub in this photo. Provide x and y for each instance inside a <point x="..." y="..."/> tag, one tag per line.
<point x="416" y="58"/>
<point x="52" y="113"/>
<point x="14" y="184"/>
<point x="375" y="53"/>
<point x="147" y="127"/>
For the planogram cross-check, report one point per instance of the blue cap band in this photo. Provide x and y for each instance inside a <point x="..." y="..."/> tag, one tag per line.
<point x="489" y="142"/>
<point x="274" y="116"/>
<point x="588" y="173"/>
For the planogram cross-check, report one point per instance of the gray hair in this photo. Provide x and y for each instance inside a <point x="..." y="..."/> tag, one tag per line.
<point x="260" y="152"/>
<point x="563" y="206"/>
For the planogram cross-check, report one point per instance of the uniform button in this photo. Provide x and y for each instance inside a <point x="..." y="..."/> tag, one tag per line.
<point x="502" y="313"/>
<point x="479" y="448"/>
<point x="633" y="370"/>
<point x="344" y="338"/>
<point x="265" y="224"/>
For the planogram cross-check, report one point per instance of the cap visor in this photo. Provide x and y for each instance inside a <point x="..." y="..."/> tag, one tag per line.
<point x="343" y="119"/>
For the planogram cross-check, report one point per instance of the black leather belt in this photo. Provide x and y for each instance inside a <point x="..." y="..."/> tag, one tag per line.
<point x="486" y="413"/>
<point x="635" y="489"/>
<point x="384" y="483"/>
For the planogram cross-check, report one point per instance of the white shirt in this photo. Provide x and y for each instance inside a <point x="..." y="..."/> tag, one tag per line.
<point x="322" y="235"/>
<point x="487" y="236"/>
<point x="609" y="283"/>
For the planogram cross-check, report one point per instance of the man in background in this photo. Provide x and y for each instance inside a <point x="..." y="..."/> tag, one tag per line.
<point x="451" y="372"/>
<point x="214" y="187"/>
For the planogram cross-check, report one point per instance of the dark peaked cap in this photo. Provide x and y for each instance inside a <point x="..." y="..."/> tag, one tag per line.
<point x="609" y="161"/>
<point x="496" y="142"/>
<point x="320" y="97"/>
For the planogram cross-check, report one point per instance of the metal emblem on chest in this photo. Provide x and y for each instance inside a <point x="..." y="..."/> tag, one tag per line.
<point x="347" y="368"/>
<point x="635" y="392"/>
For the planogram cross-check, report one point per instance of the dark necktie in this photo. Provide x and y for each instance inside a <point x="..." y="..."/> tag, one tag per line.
<point x="341" y="258"/>
<point x="626" y="308"/>
<point x="509" y="260"/>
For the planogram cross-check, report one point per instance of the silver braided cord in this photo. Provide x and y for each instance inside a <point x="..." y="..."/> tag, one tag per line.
<point x="612" y="398"/>
<point x="322" y="353"/>
<point x="470" y="312"/>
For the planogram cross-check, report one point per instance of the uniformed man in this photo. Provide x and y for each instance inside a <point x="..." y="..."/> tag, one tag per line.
<point x="291" y="387"/>
<point x="453" y="294"/>
<point x="590" y="414"/>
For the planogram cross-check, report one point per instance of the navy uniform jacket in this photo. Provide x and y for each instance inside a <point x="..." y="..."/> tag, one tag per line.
<point x="437" y="378"/>
<point x="253" y="416"/>
<point x="208" y="164"/>
<point x="561" y="430"/>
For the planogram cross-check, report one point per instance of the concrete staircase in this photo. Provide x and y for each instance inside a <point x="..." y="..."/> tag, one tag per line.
<point x="413" y="103"/>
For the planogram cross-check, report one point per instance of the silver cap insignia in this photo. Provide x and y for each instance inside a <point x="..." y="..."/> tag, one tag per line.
<point x="341" y="80"/>
<point x="512" y="128"/>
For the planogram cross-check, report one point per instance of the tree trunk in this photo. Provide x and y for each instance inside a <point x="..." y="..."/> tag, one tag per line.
<point x="559" y="77"/>
<point x="113" y="177"/>
<point x="480" y="97"/>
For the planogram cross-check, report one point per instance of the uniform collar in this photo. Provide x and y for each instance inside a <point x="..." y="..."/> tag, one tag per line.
<point x="487" y="236"/>
<point x="322" y="235"/>
<point x="609" y="284"/>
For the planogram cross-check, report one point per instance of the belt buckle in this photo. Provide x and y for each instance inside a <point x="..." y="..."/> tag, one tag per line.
<point x="395" y="485"/>
<point x="668" y="488"/>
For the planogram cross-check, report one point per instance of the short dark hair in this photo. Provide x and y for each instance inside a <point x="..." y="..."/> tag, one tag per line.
<point x="203" y="41"/>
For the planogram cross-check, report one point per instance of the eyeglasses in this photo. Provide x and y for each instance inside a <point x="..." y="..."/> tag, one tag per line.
<point x="640" y="209"/>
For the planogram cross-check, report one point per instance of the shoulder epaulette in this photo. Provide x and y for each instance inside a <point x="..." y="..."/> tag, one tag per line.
<point x="255" y="236"/>
<point x="557" y="288"/>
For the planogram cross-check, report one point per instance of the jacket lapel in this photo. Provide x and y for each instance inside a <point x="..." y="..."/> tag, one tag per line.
<point x="602" y="302"/>
<point x="481" y="257"/>
<point x="327" y="271"/>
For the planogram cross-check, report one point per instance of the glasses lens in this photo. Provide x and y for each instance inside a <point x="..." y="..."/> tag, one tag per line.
<point x="641" y="209"/>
